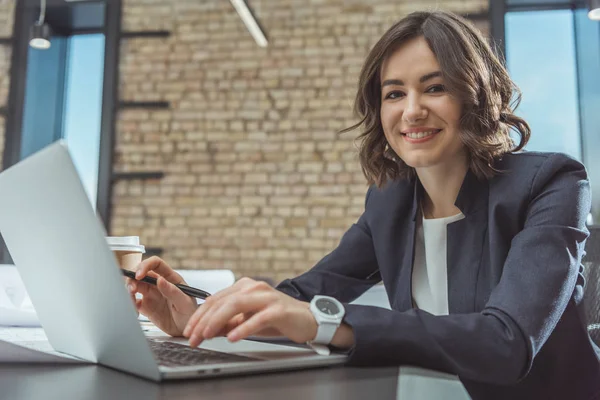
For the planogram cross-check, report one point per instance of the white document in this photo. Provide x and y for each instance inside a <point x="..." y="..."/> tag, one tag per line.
<point x="30" y="345"/>
<point x="15" y="306"/>
<point x="16" y="317"/>
<point x="14" y="353"/>
<point x="210" y="280"/>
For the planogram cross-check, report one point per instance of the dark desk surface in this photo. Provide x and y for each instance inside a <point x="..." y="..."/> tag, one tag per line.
<point x="91" y="382"/>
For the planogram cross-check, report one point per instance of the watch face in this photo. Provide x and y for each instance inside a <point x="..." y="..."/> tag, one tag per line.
<point x="327" y="306"/>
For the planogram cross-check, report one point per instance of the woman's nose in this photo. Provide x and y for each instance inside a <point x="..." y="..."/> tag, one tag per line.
<point x="414" y="110"/>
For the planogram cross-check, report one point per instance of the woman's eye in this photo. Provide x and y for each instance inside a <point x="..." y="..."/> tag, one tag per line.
<point x="394" y="95"/>
<point x="436" y="89"/>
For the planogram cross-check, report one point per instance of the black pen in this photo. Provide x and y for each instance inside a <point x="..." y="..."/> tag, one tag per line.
<point x="190" y="291"/>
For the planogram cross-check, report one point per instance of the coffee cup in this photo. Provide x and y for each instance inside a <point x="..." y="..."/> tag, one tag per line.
<point x="127" y="250"/>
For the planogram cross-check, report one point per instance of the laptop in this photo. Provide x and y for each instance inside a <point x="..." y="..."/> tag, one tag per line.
<point x="58" y="245"/>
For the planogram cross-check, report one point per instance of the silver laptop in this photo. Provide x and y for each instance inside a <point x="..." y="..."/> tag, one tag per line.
<point x="58" y="245"/>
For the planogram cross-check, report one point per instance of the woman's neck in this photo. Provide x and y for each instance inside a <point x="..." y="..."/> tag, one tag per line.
<point x="442" y="184"/>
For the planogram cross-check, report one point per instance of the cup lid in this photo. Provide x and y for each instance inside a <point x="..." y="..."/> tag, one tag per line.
<point x="132" y="248"/>
<point x="125" y="243"/>
<point x="123" y="240"/>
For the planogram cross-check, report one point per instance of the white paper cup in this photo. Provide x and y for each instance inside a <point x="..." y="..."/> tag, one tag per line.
<point x="127" y="250"/>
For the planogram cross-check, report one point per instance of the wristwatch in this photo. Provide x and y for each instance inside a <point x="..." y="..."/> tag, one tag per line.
<point x="328" y="313"/>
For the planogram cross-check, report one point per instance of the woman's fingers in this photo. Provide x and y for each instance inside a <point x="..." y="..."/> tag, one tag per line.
<point x="213" y="322"/>
<point x="258" y="323"/>
<point x="143" y="288"/>
<point x="131" y="289"/>
<point x="158" y="266"/>
<point x="181" y="301"/>
<point x="233" y="323"/>
<point x="250" y="308"/>
<point x="244" y="285"/>
<point x="139" y="286"/>
<point x="163" y="291"/>
<point x="152" y="309"/>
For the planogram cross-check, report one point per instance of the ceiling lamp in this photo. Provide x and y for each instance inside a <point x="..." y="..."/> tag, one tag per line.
<point x="39" y="34"/>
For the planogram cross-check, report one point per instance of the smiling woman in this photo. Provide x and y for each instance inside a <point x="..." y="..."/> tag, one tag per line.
<point x="447" y="60"/>
<point x="478" y="244"/>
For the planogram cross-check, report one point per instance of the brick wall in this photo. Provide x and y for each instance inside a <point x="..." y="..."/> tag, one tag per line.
<point x="257" y="179"/>
<point x="6" y="24"/>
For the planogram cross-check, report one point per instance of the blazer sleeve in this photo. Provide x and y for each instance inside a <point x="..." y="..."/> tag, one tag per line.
<point x="498" y="344"/>
<point x="345" y="273"/>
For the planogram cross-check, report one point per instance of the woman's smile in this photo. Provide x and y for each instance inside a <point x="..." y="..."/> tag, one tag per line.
<point x="420" y="135"/>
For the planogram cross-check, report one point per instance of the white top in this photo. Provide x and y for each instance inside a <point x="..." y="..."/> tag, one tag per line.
<point x="430" y="270"/>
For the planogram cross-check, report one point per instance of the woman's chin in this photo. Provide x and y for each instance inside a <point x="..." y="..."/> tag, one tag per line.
<point x="419" y="162"/>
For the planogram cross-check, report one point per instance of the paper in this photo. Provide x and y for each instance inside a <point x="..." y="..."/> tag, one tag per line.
<point x="30" y="345"/>
<point x="212" y="280"/>
<point x="15" y="306"/>
<point x="15" y="317"/>
<point x="13" y="353"/>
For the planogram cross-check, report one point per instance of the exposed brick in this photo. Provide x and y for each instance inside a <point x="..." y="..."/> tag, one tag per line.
<point x="257" y="178"/>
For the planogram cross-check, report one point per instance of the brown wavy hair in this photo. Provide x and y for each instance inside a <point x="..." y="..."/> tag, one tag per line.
<point x="472" y="72"/>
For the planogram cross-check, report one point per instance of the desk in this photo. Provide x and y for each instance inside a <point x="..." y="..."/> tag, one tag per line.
<point x="92" y="382"/>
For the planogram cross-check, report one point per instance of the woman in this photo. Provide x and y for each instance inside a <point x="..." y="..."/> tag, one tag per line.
<point x="478" y="246"/>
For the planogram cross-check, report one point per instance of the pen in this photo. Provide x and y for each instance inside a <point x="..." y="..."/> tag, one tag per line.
<point x="190" y="291"/>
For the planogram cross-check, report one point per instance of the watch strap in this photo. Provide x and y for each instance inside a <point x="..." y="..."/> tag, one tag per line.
<point x="325" y="332"/>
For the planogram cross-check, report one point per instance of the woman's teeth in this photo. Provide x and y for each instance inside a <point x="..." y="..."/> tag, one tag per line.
<point x="420" y="135"/>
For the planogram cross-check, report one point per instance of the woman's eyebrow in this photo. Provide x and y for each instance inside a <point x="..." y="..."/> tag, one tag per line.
<point x="399" y="82"/>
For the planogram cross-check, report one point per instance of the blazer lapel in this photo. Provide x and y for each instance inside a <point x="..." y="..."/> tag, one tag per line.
<point x="405" y="253"/>
<point x="466" y="240"/>
<point x="465" y="244"/>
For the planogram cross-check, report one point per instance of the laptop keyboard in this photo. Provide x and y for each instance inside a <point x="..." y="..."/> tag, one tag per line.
<point x="170" y="354"/>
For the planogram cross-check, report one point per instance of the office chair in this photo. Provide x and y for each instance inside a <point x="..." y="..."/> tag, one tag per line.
<point x="591" y="297"/>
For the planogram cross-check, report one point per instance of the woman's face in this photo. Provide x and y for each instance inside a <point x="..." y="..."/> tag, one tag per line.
<point x="420" y="118"/>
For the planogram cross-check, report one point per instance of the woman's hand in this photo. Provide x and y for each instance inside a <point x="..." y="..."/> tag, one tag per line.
<point x="251" y="308"/>
<point x="164" y="304"/>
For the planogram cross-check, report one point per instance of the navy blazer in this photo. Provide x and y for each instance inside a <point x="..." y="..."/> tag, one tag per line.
<point x="516" y="328"/>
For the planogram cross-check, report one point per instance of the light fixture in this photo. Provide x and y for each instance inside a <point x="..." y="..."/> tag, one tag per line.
<point x="39" y="34"/>
<point x="242" y="9"/>
<point x="594" y="12"/>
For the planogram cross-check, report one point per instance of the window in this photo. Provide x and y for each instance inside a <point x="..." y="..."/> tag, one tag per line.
<point x="63" y="100"/>
<point x="83" y="107"/>
<point x="543" y="66"/>
<point x="553" y="53"/>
